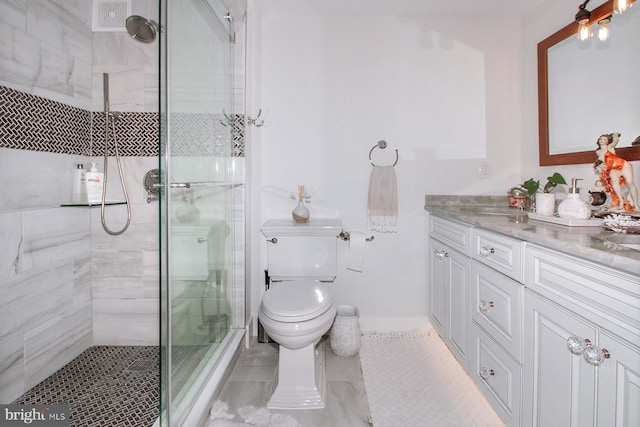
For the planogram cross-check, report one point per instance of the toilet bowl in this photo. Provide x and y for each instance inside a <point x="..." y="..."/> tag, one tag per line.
<point x="296" y="314"/>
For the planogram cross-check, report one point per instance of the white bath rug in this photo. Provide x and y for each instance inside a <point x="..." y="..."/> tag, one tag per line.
<point x="251" y="416"/>
<point x="412" y="380"/>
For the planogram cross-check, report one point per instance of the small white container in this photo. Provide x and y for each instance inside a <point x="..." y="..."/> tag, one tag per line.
<point x="79" y="185"/>
<point x="545" y="204"/>
<point x="345" y="334"/>
<point x="95" y="182"/>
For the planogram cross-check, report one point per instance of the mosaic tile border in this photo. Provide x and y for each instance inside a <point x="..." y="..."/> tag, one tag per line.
<point x="136" y="133"/>
<point x="30" y="122"/>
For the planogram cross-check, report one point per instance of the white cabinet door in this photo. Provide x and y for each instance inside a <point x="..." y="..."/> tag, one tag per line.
<point x="449" y="296"/>
<point x="458" y="272"/>
<point x="618" y="384"/>
<point x="437" y="290"/>
<point x="559" y="386"/>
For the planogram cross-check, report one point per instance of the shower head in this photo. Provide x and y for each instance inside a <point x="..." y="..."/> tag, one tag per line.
<point x="142" y="29"/>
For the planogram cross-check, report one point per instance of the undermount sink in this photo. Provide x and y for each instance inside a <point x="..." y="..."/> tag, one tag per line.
<point x="628" y="241"/>
<point x="495" y="211"/>
<point x="634" y="246"/>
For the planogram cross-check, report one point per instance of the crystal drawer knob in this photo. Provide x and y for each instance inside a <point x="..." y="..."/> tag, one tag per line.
<point x="486" y="373"/>
<point x="485" y="305"/>
<point x="441" y="254"/>
<point x="485" y="251"/>
<point x="576" y="345"/>
<point x="595" y="355"/>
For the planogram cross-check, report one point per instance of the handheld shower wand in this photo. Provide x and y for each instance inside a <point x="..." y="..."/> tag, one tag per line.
<point x="110" y="119"/>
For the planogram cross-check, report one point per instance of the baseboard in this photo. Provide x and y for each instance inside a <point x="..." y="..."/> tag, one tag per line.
<point x="376" y="324"/>
<point x="394" y="323"/>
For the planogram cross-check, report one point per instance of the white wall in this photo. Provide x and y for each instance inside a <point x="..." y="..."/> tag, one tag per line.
<point x="444" y="94"/>
<point x="541" y="23"/>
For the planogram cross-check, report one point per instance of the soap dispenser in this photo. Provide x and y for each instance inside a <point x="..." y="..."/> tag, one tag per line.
<point x="95" y="182"/>
<point x="573" y="207"/>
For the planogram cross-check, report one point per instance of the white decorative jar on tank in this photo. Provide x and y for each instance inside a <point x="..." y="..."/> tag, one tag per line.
<point x="345" y="335"/>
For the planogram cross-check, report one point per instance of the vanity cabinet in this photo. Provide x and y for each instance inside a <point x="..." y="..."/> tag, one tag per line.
<point x="582" y="360"/>
<point x="496" y="304"/>
<point x="449" y="269"/>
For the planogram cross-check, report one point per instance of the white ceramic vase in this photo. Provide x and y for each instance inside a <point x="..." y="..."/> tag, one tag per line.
<point x="300" y="213"/>
<point x="345" y="335"/>
<point x="545" y="204"/>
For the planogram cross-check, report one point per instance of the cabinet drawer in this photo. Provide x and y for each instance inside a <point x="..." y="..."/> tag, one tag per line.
<point x="499" y="252"/>
<point x="603" y="295"/>
<point x="454" y="234"/>
<point x="496" y="305"/>
<point x="497" y="374"/>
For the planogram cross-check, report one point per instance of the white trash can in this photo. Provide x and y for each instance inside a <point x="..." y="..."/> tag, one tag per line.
<point x="345" y="334"/>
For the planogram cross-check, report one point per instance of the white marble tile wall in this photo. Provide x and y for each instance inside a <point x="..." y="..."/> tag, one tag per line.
<point x="46" y="308"/>
<point x="132" y="67"/>
<point x="45" y="49"/>
<point x="124" y="268"/>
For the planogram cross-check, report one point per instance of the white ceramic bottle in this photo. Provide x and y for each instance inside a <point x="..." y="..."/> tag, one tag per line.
<point x="573" y="207"/>
<point x="95" y="181"/>
<point x="79" y="186"/>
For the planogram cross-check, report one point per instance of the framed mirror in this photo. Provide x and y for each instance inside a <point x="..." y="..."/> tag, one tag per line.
<point x="589" y="88"/>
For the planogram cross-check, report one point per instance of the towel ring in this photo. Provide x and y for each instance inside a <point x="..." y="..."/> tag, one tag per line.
<point x="382" y="144"/>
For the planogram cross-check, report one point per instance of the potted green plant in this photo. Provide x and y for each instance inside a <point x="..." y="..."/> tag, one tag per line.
<point x="544" y="201"/>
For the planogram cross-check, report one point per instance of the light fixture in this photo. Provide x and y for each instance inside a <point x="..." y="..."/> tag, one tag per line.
<point x="603" y="31"/>
<point x="620" y="6"/>
<point x="582" y="18"/>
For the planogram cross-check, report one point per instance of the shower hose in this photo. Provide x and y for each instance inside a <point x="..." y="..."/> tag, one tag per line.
<point x="110" y="118"/>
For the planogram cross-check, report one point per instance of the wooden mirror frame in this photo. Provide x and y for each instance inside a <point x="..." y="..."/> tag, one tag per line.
<point x="579" y="157"/>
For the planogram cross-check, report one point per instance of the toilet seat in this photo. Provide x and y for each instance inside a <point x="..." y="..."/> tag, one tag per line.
<point x="296" y="301"/>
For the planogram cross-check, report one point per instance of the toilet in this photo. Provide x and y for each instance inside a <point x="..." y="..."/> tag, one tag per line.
<point x="298" y="310"/>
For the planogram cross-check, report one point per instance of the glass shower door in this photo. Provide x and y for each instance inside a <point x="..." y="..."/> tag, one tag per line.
<point x="198" y="202"/>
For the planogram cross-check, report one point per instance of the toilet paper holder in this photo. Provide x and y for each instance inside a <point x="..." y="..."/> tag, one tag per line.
<point x="345" y="235"/>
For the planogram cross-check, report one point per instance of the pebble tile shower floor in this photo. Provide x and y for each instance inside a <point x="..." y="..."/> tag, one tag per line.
<point x="105" y="386"/>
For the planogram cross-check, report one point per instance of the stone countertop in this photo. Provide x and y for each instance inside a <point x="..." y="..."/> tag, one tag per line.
<point x="492" y="213"/>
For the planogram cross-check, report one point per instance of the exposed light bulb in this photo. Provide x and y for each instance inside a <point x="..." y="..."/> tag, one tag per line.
<point x="620" y="6"/>
<point x="603" y="31"/>
<point x="584" y="30"/>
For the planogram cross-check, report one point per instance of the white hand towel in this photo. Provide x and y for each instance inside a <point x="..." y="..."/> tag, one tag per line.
<point x="382" y="206"/>
<point x="355" y="260"/>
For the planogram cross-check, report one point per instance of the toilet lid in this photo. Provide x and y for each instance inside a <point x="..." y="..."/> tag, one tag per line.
<point x="296" y="301"/>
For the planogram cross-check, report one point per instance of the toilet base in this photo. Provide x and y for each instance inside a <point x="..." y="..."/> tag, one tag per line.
<point x="301" y="378"/>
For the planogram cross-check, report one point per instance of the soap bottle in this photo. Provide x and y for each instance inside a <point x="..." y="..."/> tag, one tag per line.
<point x="79" y="185"/>
<point x="573" y="207"/>
<point x="95" y="181"/>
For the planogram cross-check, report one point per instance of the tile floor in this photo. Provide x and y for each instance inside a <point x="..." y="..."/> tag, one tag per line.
<point x="253" y="376"/>
<point x="104" y="386"/>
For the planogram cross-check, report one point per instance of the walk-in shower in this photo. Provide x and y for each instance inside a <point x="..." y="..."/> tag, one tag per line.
<point x="158" y="310"/>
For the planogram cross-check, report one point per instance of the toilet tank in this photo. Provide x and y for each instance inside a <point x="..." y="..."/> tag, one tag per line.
<point x="302" y="250"/>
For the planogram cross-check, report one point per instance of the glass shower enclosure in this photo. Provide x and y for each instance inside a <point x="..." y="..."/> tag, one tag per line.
<point x="201" y="296"/>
